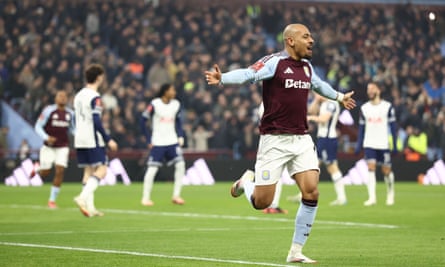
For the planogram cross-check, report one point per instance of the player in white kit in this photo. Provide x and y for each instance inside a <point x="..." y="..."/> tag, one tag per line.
<point x="377" y="121"/>
<point x="90" y="139"/>
<point x="325" y="113"/>
<point x="164" y="141"/>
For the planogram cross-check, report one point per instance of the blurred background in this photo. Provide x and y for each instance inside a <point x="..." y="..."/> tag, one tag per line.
<point x="46" y="44"/>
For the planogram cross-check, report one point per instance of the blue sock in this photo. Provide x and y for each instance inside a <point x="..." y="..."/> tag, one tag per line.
<point x="54" y="192"/>
<point x="303" y="222"/>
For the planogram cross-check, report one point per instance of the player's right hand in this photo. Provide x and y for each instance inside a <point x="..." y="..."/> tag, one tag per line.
<point x="112" y="145"/>
<point x="348" y="102"/>
<point x="51" y="140"/>
<point x="213" y="77"/>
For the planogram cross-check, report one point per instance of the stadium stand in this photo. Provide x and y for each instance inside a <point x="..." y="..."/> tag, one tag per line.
<point x="45" y="45"/>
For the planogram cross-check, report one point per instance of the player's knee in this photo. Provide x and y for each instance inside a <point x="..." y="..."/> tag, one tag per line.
<point x="371" y="167"/>
<point x="57" y="181"/>
<point x="310" y="193"/>
<point x="180" y="166"/>
<point x="386" y="170"/>
<point x="44" y="173"/>
<point x="100" y="172"/>
<point x="259" y="203"/>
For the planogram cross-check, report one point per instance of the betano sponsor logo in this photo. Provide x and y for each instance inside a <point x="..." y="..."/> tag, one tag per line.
<point x="59" y="123"/>
<point x="299" y="84"/>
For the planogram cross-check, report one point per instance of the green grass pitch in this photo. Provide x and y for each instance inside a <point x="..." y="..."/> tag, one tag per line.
<point x="213" y="229"/>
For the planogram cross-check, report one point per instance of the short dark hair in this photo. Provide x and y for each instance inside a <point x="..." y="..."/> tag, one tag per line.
<point x="379" y="84"/>
<point x="93" y="71"/>
<point x="164" y="88"/>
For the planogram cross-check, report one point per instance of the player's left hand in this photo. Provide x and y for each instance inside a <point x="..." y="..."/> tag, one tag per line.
<point x="112" y="145"/>
<point x="348" y="102"/>
<point x="213" y="77"/>
<point x="181" y="141"/>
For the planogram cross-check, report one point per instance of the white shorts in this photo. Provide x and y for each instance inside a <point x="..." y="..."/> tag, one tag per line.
<point x="53" y="155"/>
<point x="297" y="153"/>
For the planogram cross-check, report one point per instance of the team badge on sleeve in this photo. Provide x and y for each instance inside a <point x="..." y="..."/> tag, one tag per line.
<point x="98" y="102"/>
<point x="257" y="66"/>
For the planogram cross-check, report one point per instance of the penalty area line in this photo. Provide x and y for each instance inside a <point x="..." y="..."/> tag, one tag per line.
<point x="134" y="253"/>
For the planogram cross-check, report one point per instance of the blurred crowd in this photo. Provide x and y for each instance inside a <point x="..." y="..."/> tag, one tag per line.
<point x="45" y="45"/>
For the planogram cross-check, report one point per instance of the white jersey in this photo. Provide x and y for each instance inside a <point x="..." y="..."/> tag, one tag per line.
<point x="163" y="118"/>
<point x="86" y="103"/>
<point x="376" y="119"/>
<point x="328" y="129"/>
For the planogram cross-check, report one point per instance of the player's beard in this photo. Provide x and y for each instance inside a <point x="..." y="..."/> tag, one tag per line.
<point x="372" y="96"/>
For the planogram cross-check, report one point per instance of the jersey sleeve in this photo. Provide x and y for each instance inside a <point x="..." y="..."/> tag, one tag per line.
<point x="72" y="127"/>
<point x="178" y="124"/>
<point x="41" y="122"/>
<point x="146" y="115"/>
<point x="391" y="114"/>
<point x="361" y="120"/>
<point x="263" y="69"/>
<point x="148" y="112"/>
<point x="321" y="87"/>
<point x="96" y="107"/>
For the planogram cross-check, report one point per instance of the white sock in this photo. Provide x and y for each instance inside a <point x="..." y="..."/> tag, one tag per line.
<point x="296" y="248"/>
<point x="179" y="175"/>
<point x="276" y="198"/>
<point x="371" y="186"/>
<point x="54" y="193"/>
<point x="339" y="186"/>
<point x="148" y="182"/>
<point x="89" y="188"/>
<point x="90" y="202"/>
<point x="249" y="186"/>
<point x="389" y="180"/>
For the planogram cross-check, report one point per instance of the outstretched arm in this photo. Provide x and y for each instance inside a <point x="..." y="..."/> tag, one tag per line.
<point x="326" y="90"/>
<point x="263" y="69"/>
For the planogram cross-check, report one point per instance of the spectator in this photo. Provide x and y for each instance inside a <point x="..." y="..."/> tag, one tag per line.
<point x="416" y="144"/>
<point x="200" y="138"/>
<point x="43" y="47"/>
<point x="24" y="151"/>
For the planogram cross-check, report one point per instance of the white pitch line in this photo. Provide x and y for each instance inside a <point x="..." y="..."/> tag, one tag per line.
<point x="151" y="230"/>
<point x="219" y="216"/>
<point x="134" y="253"/>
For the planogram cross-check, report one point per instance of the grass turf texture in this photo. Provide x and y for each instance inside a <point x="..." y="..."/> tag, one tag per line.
<point x="213" y="229"/>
